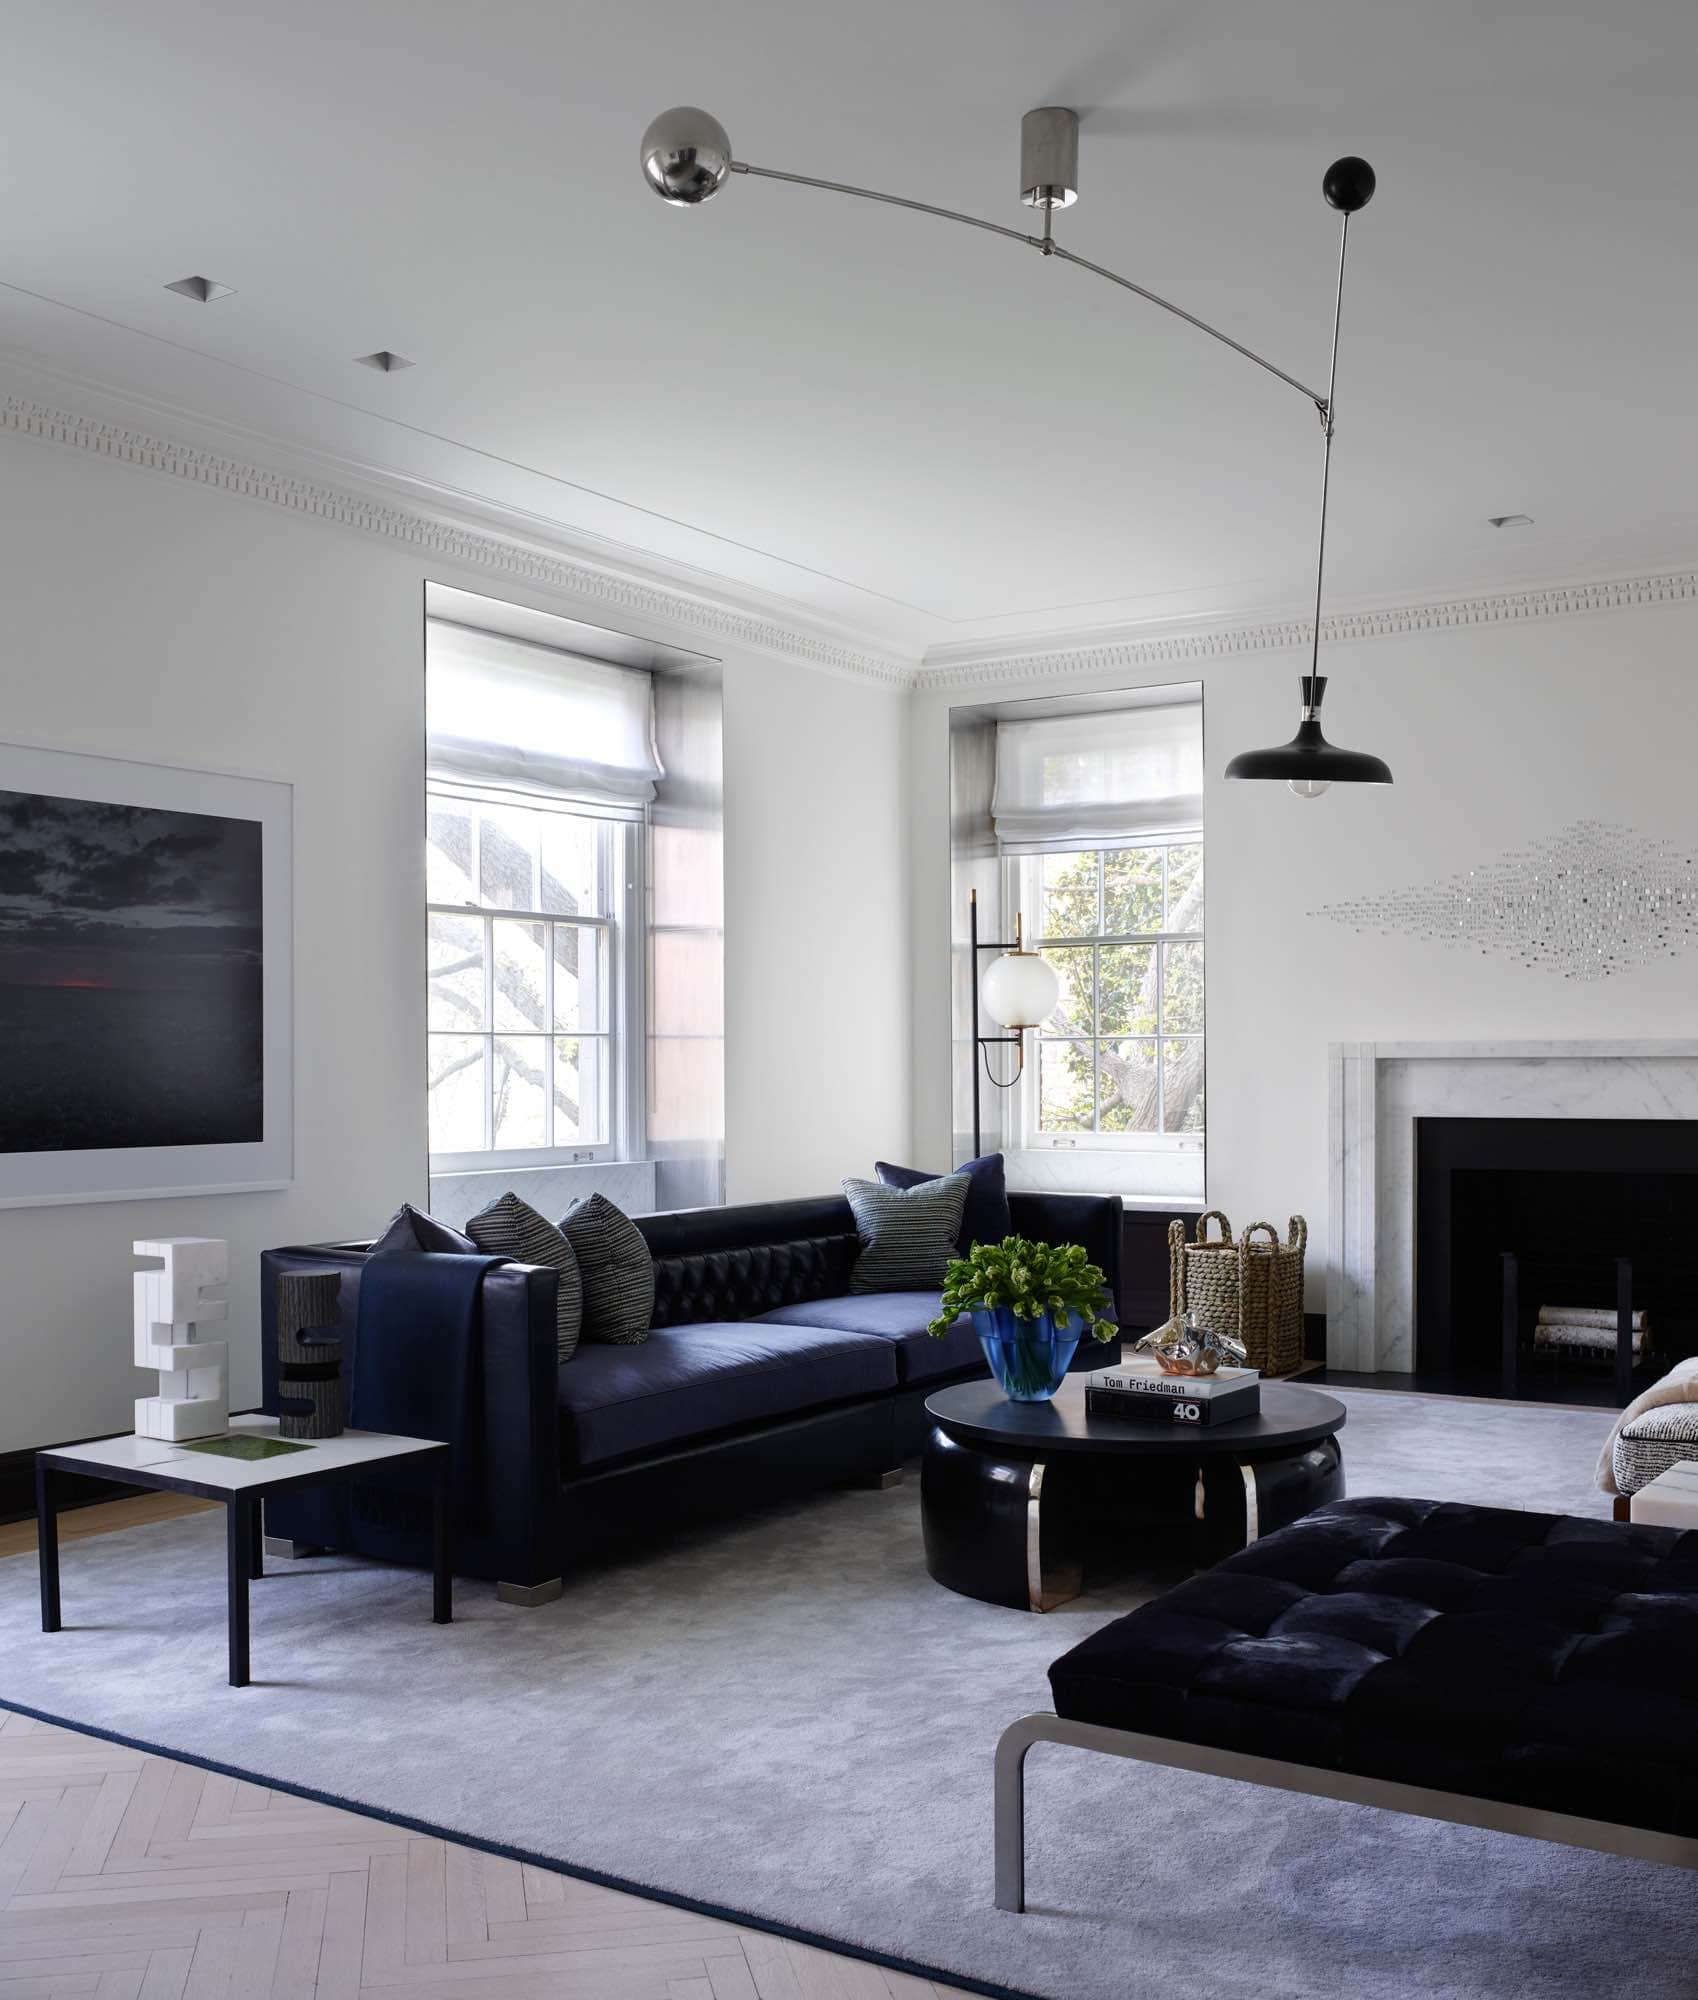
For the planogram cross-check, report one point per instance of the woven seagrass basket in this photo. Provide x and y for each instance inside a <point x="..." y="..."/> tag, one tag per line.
<point x="1252" y="1289"/>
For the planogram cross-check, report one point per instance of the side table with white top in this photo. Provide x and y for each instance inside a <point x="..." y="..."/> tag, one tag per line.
<point x="241" y="1483"/>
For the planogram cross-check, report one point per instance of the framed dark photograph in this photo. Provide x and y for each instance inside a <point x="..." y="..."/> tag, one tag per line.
<point x="145" y="980"/>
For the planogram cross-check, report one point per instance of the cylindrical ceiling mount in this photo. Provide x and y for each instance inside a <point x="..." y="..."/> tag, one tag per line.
<point x="1049" y="157"/>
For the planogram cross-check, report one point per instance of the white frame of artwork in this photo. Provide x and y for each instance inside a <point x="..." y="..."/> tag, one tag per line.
<point x="134" y="1173"/>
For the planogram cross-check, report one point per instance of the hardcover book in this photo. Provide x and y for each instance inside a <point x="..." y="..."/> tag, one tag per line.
<point x="1146" y="1380"/>
<point x="1176" y="1403"/>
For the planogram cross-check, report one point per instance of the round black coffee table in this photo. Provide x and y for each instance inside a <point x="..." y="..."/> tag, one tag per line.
<point x="1017" y="1496"/>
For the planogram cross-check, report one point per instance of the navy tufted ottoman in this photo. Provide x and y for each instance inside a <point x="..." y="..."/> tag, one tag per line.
<point x="1533" y="1673"/>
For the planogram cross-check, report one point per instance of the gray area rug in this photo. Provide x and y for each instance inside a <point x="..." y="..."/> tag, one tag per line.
<point x="784" y="1717"/>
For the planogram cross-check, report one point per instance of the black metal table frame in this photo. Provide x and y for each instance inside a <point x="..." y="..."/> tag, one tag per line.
<point x="243" y="1528"/>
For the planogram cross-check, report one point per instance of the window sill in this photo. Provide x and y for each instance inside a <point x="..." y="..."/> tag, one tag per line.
<point x="549" y="1187"/>
<point x="1159" y="1178"/>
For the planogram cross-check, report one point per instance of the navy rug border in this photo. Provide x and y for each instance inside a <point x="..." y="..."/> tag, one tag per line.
<point x="915" y="1969"/>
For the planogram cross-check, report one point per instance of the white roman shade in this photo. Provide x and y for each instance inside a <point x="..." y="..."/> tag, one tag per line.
<point x="506" y="714"/>
<point x="1111" y="777"/>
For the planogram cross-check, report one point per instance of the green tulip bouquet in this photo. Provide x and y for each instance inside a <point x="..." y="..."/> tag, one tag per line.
<point x="1027" y="1279"/>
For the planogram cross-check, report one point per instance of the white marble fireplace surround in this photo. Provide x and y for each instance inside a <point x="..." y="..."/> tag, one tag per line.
<point x="1375" y="1093"/>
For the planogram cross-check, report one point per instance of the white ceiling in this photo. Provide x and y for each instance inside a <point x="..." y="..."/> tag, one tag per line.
<point x="924" y="432"/>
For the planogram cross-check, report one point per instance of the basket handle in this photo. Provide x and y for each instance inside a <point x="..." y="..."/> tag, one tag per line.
<point x="1273" y="1234"/>
<point x="1299" y="1237"/>
<point x="1175" y="1269"/>
<point x="1214" y="1215"/>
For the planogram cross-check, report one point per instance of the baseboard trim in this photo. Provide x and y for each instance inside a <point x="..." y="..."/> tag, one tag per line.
<point x="914" y="1968"/>
<point x="75" y="1489"/>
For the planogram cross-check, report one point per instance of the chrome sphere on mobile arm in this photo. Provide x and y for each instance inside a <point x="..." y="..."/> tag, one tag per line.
<point x="686" y="156"/>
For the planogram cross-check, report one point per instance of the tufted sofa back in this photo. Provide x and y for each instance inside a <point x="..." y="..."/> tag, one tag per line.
<point x="736" y="1263"/>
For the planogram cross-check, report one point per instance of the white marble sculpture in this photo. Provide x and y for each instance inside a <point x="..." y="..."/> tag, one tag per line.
<point x="173" y="1302"/>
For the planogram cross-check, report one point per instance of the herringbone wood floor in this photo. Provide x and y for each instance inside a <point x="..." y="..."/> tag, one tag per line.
<point x="133" y="1877"/>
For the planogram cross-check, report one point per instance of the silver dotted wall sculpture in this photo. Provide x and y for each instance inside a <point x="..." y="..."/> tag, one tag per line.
<point x="1589" y="902"/>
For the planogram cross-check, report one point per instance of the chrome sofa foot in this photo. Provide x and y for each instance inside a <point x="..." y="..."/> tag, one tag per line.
<point x="529" y="1595"/>
<point x="280" y="1545"/>
<point x="880" y="1482"/>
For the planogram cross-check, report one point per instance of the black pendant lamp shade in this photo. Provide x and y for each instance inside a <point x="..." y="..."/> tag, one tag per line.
<point x="1309" y="763"/>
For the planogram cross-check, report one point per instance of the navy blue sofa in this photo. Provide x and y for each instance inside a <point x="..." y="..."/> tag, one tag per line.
<point x="763" y="1374"/>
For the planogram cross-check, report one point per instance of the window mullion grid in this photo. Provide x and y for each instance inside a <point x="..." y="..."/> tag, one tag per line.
<point x="518" y="916"/>
<point x="548" y="958"/>
<point x="601" y="1045"/>
<point x="1097" y="998"/>
<point x="488" y="1034"/>
<point x="1159" y="941"/>
<point x="615" y="1103"/>
<point x="486" y="1063"/>
<point x="1161" y="996"/>
<point x="1161" y="1037"/>
<point x="1020" y="886"/>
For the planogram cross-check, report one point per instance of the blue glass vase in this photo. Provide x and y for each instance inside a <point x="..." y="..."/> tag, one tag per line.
<point x="1028" y="1357"/>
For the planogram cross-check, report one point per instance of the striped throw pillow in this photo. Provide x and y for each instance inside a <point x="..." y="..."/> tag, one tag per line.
<point x="617" y="1270"/>
<point x="908" y="1235"/>
<point x="512" y="1228"/>
<point x="1647" y="1447"/>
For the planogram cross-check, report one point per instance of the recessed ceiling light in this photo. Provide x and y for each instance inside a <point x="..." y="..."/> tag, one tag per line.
<point x="202" y="290"/>
<point x="1510" y="520"/>
<point x="385" y="360"/>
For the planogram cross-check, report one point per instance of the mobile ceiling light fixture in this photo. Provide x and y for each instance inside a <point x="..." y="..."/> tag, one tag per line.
<point x="687" y="159"/>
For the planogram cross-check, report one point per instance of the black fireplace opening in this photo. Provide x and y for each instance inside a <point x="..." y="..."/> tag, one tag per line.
<point x="1567" y="1199"/>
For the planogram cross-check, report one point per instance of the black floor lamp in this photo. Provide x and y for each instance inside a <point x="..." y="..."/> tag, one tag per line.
<point x="1018" y="992"/>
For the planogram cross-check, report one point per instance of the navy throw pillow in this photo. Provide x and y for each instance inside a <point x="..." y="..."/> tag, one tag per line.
<point x="409" y="1228"/>
<point x="986" y="1218"/>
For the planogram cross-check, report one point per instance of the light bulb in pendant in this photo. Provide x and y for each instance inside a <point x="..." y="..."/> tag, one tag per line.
<point x="1309" y="788"/>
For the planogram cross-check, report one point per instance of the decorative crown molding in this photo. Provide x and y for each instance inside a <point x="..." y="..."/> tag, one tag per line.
<point x="466" y="547"/>
<point x="968" y="666"/>
<point x="629" y="594"/>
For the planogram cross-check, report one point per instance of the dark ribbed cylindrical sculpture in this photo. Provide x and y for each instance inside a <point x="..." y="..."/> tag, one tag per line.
<point x="309" y="1354"/>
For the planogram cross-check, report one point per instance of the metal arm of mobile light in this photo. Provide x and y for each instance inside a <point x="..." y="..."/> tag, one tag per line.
<point x="687" y="159"/>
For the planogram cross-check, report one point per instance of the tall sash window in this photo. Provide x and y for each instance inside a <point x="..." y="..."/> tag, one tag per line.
<point x="1099" y="818"/>
<point x="540" y="768"/>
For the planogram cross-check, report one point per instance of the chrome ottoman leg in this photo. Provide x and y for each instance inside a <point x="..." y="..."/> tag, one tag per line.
<point x="1011" y="1750"/>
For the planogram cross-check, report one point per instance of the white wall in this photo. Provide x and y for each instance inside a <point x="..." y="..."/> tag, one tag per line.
<point x="1496" y="735"/>
<point x="148" y="618"/>
<point x="816" y="972"/>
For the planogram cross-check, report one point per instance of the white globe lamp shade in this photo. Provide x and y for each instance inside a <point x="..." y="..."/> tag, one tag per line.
<point x="1019" y="990"/>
